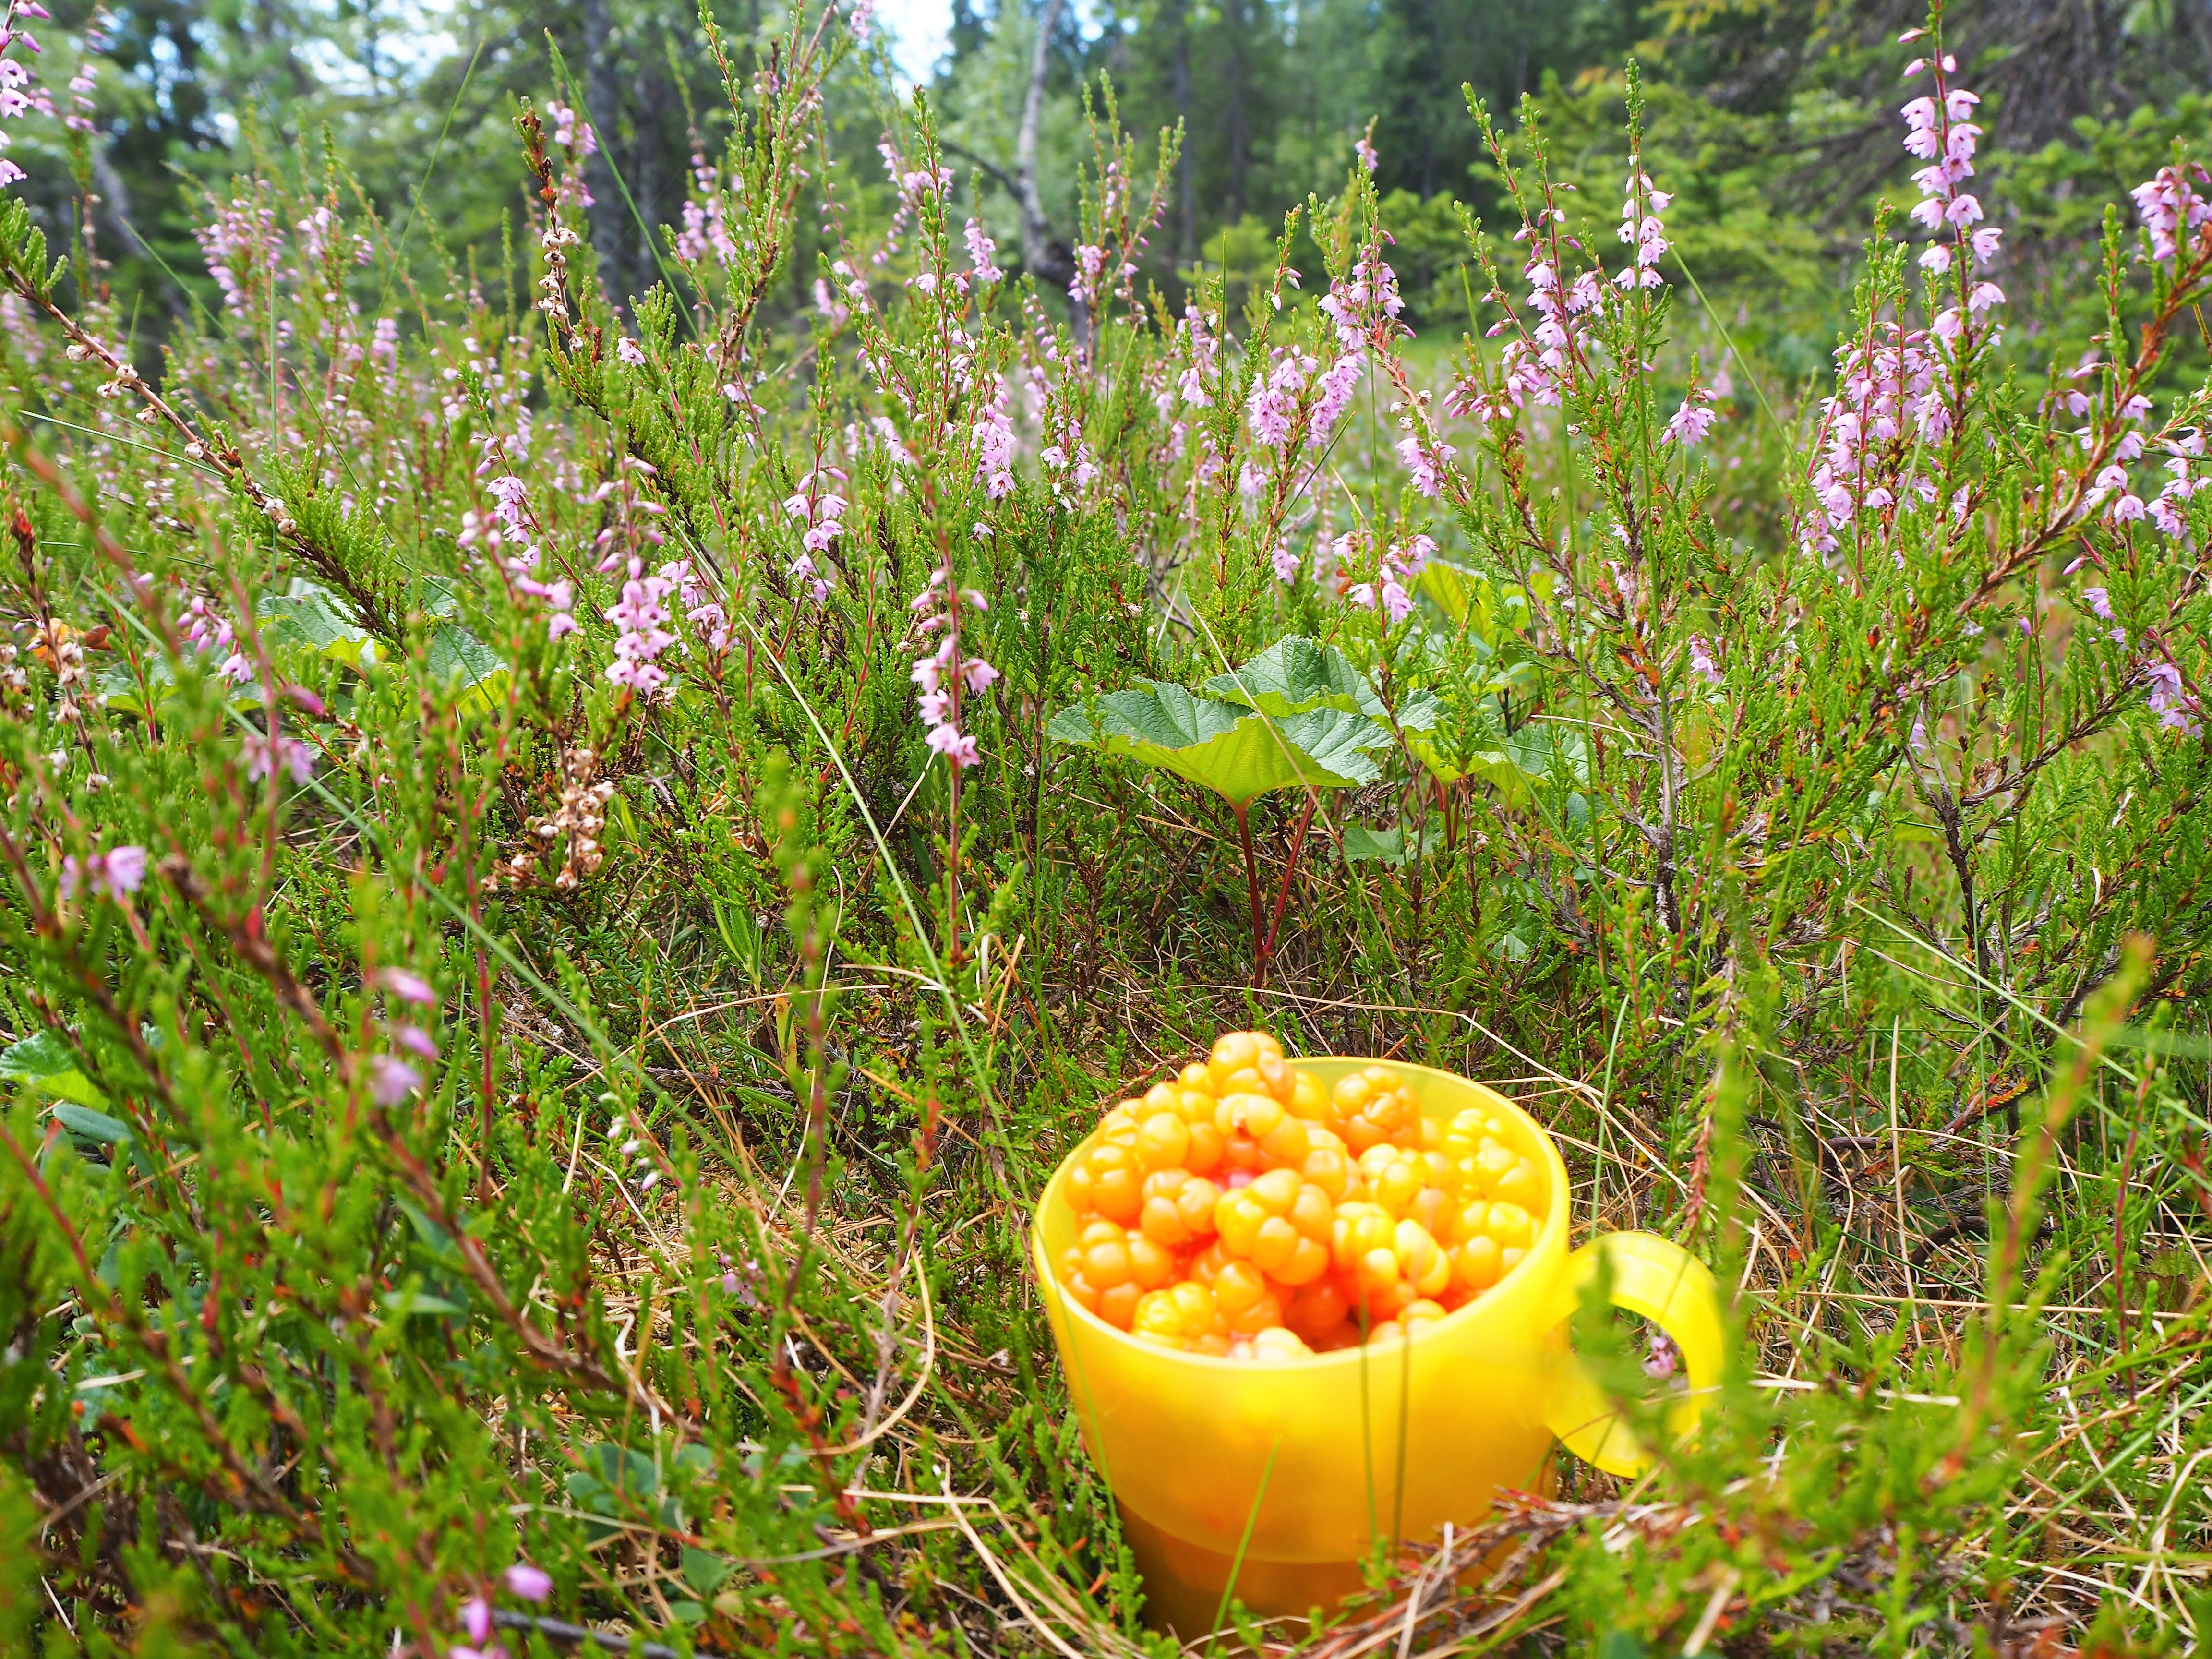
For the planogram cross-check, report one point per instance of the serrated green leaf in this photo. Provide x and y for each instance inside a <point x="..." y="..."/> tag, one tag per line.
<point x="1294" y="675"/>
<point x="43" y="1062"/>
<point x="456" y="657"/>
<point x="1390" y="847"/>
<point x="1219" y="746"/>
<point x="703" y="1570"/>
<point x="315" y="619"/>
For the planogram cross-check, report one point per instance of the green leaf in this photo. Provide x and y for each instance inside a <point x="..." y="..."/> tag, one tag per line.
<point x="96" y="1126"/>
<point x="43" y="1062"/>
<point x="1219" y="746"/>
<point x="624" y="1471"/>
<point x="704" y="1570"/>
<point x="1362" y="845"/>
<point x="315" y="619"/>
<point x="407" y="1303"/>
<point x="457" y="656"/>
<point x="687" y="1613"/>
<point x="1295" y="675"/>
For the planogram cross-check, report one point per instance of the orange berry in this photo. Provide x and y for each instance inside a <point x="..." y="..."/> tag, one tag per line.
<point x="1510" y="1225"/>
<point x="1195" y="1303"/>
<point x="1312" y="1213"/>
<point x="1162" y="1222"/>
<point x="1472" y="1219"/>
<point x="1273" y="1241"/>
<point x="1420" y="1262"/>
<point x="1238" y="1288"/>
<point x="1358" y="1229"/>
<point x="1195" y="1076"/>
<point x="1119" y="1195"/>
<point x="1432" y="1207"/>
<point x="1308" y="1260"/>
<point x="1277" y="1190"/>
<point x="1395" y="1185"/>
<point x="1205" y="1266"/>
<point x="1106" y="1264"/>
<point x="1240" y="1051"/>
<point x="1308" y="1100"/>
<point x="1162" y="1140"/>
<point x="1237" y="1215"/>
<point x="1151" y="1265"/>
<point x="1158" y="1318"/>
<point x="1268" y="1310"/>
<point x="1118" y="1306"/>
<point x="1255" y="1116"/>
<point x="1475" y="1263"/>
<point x="1162" y="1097"/>
<point x="1288" y="1143"/>
<point x="1208" y="1146"/>
<point x="1378" y="1270"/>
<point x="1508" y="1259"/>
<point x="1317" y="1309"/>
<point x="1329" y="1170"/>
<point x="1080" y="1197"/>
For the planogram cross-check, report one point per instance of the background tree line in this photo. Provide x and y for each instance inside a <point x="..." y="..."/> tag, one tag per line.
<point x="1774" y="115"/>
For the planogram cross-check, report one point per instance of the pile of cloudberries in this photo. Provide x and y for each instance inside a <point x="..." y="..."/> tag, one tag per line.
<point x="1246" y="1210"/>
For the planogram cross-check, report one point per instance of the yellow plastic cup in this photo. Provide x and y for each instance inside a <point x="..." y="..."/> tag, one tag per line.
<point x="1299" y="1466"/>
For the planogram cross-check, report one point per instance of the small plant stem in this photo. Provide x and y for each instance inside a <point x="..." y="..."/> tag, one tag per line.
<point x="1260" y="939"/>
<point x="1283" y="892"/>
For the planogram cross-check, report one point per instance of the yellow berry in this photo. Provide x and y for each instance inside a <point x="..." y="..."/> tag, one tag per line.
<point x="1237" y="1215"/>
<point x="1510" y="1225"/>
<point x="1519" y="1185"/>
<point x="1275" y="1343"/>
<point x="1163" y="1141"/>
<point x="1476" y="1263"/>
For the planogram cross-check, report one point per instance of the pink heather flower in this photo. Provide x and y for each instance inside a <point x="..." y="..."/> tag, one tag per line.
<point x="116" y="874"/>
<point x="2099" y="600"/>
<point x="1701" y="660"/>
<point x="629" y="351"/>
<point x="2171" y="209"/>
<point x="1426" y="466"/>
<point x="2129" y="509"/>
<point x="407" y="988"/>
<point x="476" y="1619"/>
<point x="416" y="1040"/>
<point x="1692" y="420"/>
<point x="391" y="1080"/>
<point x="531" y="1583"/>
<point x="265" y="756"/>
<point x="957" y="747"/>
<point x="1365" y="149"/>
<point x="2170" y="700"/>
<point x="982" y="254"/>
<point x="2168" y="517"/>
<point x="1285" y="561"/>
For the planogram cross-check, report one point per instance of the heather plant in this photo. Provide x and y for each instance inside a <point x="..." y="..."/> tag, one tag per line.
<point x="572" y="860"/>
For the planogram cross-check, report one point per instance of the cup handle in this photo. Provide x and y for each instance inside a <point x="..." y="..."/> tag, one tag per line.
<point x="1666" y="1285"/>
